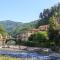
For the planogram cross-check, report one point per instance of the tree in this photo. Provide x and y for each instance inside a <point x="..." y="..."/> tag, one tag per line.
<point x="41" y="15"/>
<point x="40" y="38"/>
<point x="3" y="30"/>
<point x="48" y="13"/>
<point x="53" y="23"/>
<point x="54" y="29"/>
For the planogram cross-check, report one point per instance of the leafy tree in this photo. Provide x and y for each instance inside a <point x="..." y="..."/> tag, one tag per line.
<point x="2" y="30"/>
<point x="54" y="30"/>
<point x="40" y="38"/>
<point x="47" y="14"/>
<point x="53" y="23"/>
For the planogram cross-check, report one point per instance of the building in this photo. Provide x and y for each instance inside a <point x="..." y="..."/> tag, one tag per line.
<point x="3" y="39"/>
<point x="24" y="36"/>
<point x="44" y="28"/>
<point x="34" y="31"/>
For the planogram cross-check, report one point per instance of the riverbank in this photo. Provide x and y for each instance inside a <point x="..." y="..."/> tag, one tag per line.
<point x="12" y="58"/>
<point x="7" y="58"/>
<point x="24" y="48"/>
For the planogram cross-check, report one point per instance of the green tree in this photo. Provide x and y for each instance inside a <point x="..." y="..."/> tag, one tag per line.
<point x="46" y="15"/>
<point x="53" y="23"/>
<point x="2" y="30"/>
<point x="40" y="38"/>
<point x="54" y="30"/>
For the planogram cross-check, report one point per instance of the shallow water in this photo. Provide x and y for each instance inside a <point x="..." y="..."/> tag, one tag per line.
<point x="24" y="54"/>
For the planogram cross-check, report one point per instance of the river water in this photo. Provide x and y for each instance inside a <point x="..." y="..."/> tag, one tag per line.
<point x="26" y="54"/>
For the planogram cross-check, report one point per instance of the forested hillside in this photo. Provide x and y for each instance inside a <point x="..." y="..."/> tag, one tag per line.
<point x="17" y="27"/>
<point x="47" y="14"/>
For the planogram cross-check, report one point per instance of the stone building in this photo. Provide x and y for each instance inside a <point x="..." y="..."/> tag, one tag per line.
<point x="3" y="39"/>
<point x="44" y="28"/>
<point x="24" y="36"/>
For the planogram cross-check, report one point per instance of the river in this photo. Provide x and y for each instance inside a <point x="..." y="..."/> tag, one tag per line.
<point x="27" y="54"/>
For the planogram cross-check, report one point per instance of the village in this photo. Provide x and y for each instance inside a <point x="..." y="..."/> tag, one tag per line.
<point x="23" y="37"/>
<point x="29" y="30"/>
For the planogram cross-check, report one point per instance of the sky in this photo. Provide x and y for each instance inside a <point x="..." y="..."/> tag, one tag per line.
<point x="23" y="10"/>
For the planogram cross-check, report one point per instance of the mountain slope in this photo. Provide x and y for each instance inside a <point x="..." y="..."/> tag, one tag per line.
<point x="11" y="25"/>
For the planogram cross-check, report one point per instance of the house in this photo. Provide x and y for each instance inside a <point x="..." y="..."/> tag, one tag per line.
<point x="3" y="39"/>
<point x="44" y="28"/>
<point x="34" y="30"/>
<point x="24" y="36"/>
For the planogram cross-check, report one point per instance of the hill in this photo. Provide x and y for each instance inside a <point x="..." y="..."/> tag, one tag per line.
<point x="12" y="26"/>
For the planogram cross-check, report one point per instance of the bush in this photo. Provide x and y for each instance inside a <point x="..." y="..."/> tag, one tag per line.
<point x="40" y="38"/>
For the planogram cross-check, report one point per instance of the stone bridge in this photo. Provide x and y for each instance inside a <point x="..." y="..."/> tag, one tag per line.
<point x="4" y="40"/>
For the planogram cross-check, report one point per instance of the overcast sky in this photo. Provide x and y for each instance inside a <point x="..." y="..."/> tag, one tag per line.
<point x="23" y="10"/>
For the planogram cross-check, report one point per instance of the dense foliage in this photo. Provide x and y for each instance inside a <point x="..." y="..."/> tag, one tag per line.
<point x="2" y="30"/>
<point x="47" y="13"/>
<point x="40" y="38"/>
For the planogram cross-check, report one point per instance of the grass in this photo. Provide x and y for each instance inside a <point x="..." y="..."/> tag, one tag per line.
<point x="8" y="58"/>
<point x="12" y="58"/>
